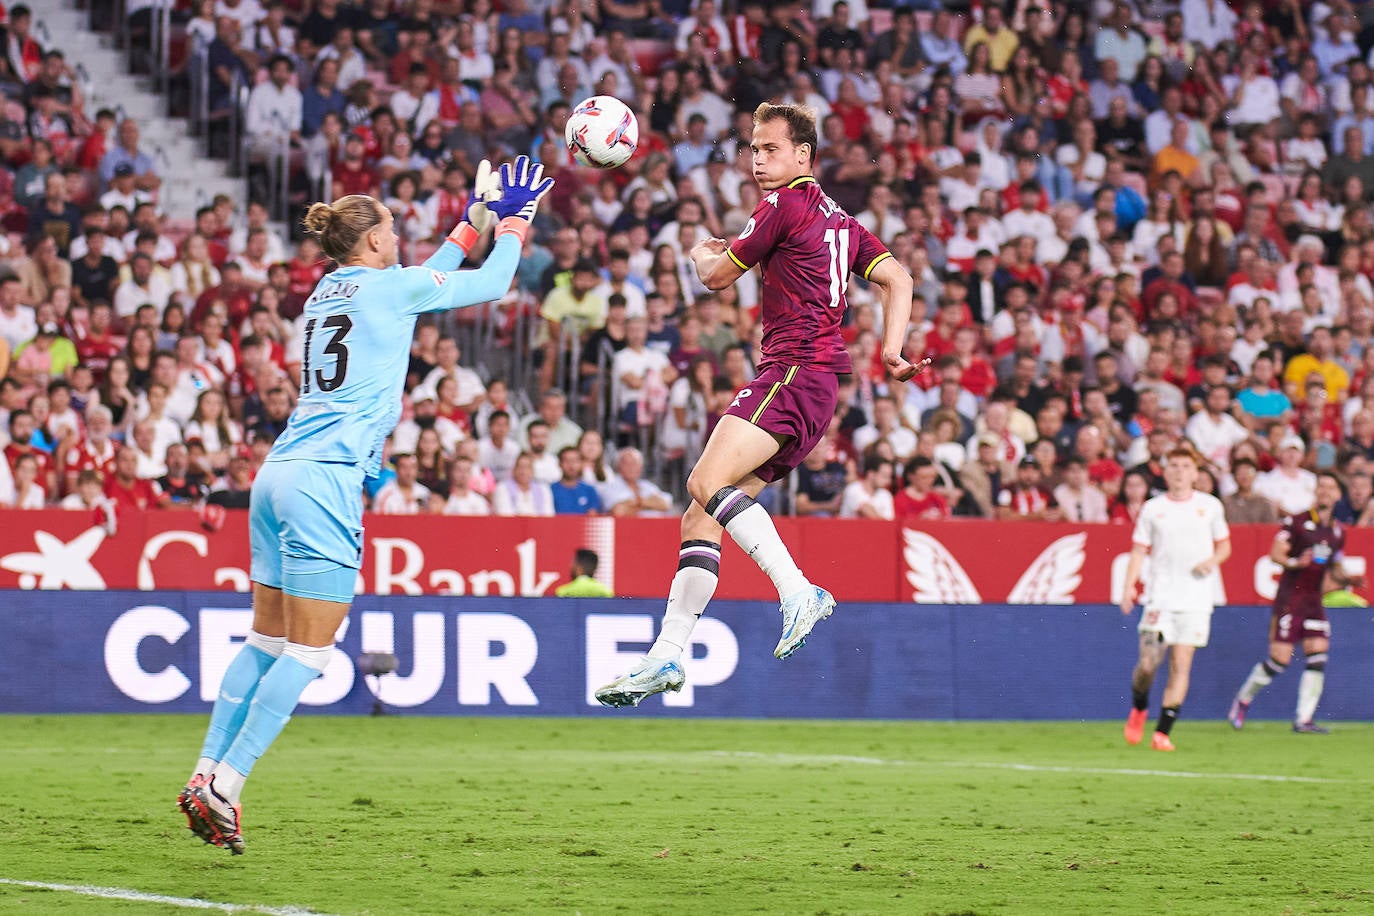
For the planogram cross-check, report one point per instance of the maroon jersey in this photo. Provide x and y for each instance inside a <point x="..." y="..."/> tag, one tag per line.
<point x="806" y="247"/>
<point x="1305" y="532"/>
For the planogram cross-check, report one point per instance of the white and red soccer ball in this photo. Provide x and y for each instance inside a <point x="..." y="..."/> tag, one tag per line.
<point x="602" y="132"/>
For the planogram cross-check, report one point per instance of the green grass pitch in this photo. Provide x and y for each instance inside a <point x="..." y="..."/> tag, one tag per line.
<point x="628" y="814"/>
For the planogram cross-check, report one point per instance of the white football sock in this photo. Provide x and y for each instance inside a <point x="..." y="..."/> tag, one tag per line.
<point x="1310" y="687"/>
<point x="749" y="525"/>
<point x="694" y="583"/>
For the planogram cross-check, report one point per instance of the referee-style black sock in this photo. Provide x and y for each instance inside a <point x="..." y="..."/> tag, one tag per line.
<point x="1167" y="716"/>
<point x="1140" y="699"/>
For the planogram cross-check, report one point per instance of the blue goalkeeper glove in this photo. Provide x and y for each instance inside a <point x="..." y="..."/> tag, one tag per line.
<point x="522" y="185"/>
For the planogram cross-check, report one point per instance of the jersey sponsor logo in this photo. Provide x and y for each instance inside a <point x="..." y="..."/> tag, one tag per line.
<point x="771" y="199"/>
<point x="748" y="229"/>
<point x="439" y="277"/>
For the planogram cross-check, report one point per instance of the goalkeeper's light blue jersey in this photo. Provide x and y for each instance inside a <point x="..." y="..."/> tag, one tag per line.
<point x="359" y="323"/>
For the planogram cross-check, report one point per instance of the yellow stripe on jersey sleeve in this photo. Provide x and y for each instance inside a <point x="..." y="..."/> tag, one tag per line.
<point x="875" y="262"/>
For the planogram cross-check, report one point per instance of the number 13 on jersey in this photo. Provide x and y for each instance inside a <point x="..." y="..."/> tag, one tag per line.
<point x="335" y="346"/>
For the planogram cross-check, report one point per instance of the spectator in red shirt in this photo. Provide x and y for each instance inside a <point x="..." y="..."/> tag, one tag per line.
<point x="96" y="452"/>
<point x="1170" y="280"/>
<point x="918" y="499"/>
<point x="232" y="296"/>
<point x="978" y="376"/>
<point x="353" y="176"/>
<point x="97" y="343"/>
<point x="130" y="492"/>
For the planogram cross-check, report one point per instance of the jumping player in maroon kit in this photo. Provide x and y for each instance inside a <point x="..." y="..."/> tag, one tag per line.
<point x="1308" y="547"/>
<point x="806" y="247"/>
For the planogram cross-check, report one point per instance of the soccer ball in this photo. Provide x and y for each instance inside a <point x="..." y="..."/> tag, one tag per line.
<point x="602" y="132"/>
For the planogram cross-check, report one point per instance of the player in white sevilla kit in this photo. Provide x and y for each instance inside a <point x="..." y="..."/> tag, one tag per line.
<point x="1186" y="536"/>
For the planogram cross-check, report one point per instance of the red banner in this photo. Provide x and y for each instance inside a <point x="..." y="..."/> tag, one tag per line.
<point x="957" y="562"/>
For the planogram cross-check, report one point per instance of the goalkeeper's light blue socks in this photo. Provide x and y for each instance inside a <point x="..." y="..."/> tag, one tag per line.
<point x="277" y="695"/>
<point x="236" y="691"/>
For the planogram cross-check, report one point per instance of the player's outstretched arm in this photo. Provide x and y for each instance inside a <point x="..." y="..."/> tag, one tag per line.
<point x="522" y="186"/>
<point x="894" y="289"/>
<point x="476" y="218"/>
<point x="716" y="269"/>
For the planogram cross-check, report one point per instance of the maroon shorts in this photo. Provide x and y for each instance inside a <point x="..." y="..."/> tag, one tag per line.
<point x="793" y="401"/>
<point x="1299" y="618"/>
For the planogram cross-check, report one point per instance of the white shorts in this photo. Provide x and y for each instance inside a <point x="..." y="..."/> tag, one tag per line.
<point x="1178" y="628"/>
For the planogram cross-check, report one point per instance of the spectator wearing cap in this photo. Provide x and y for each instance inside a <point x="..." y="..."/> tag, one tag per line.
<point x="127" y="152"/>
<point x="1025" y="498"/>
<point x="123" y="190"/>
<point x="1289" y="486"/>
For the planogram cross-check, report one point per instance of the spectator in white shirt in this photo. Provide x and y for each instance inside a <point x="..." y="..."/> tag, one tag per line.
<point x="462" y="499"/>
<point x="143" y="286"/>
<point x="628" y="494"/>
<point x="1214" y="431"/>
<point x="17" y="324"/>
<point x="497" y="451"/>
<point x="405" y="495"/>
<point x="537" y="437"/>
<point x="871" y="495"/>
<point x="1289" y="486"/>
<point x="885" y="426"/>
<point x="272" y="118"/>
<point x="471" y="391"/>
<point x="1077" y="497"/>
<point x="521" y="494"/>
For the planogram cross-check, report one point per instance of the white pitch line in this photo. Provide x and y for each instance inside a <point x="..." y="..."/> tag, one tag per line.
<point x="190" y="903"/>
<point x="802" y="759"/>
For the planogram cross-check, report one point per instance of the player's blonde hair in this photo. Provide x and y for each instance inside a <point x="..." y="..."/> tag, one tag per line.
<point x="801" y="122"/>
<point x="339" y="226"/>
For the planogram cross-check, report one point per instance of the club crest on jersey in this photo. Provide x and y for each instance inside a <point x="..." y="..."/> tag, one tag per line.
<point x="748" y="230"/>
<point x="439" y="277"/>
<point x="743" y="393"/>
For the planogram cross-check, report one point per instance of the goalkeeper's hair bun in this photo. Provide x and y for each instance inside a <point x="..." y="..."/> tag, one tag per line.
<point x="340" y="225"/>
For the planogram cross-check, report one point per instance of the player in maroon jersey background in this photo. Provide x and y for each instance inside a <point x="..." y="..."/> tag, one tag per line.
<point x="1309" y="546"/>
<point x="805" y="247"/>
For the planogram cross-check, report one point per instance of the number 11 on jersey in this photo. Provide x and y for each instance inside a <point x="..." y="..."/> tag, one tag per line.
<point x="838" y="240"/>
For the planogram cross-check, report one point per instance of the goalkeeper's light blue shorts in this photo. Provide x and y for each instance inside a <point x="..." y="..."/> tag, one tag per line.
<point x="305" y="525"/>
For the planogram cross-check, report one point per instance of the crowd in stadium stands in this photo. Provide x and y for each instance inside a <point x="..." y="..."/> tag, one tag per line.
<point x="1128" y="226"/>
